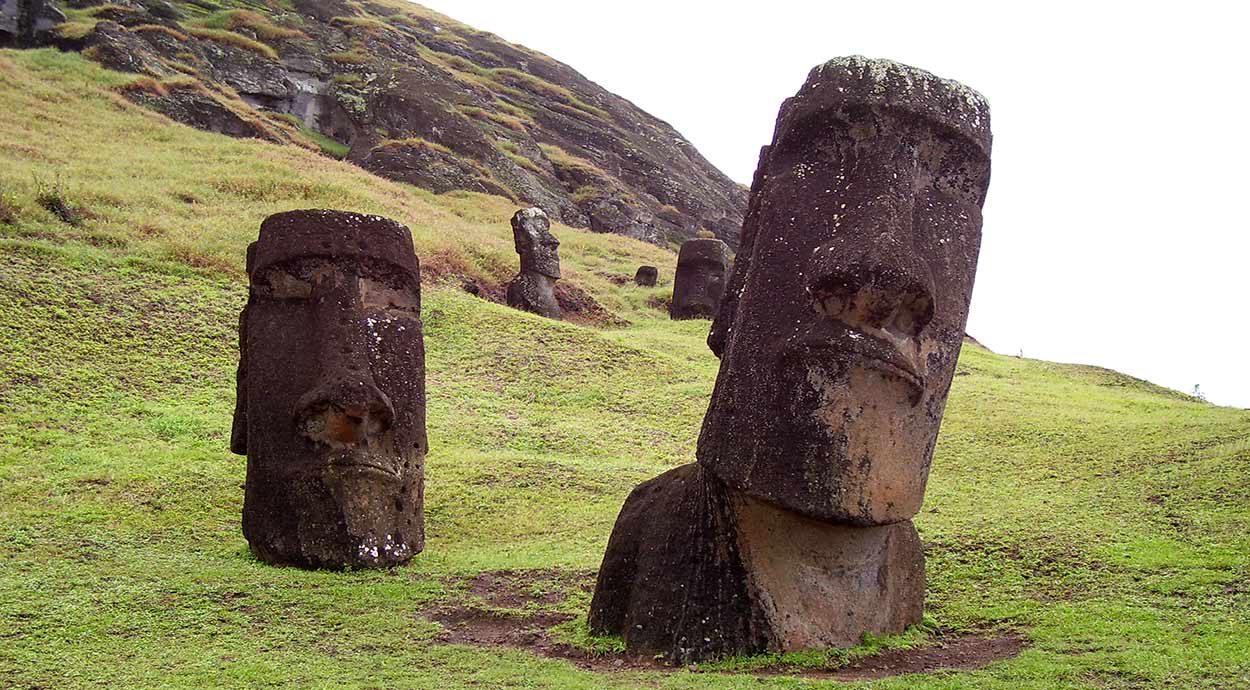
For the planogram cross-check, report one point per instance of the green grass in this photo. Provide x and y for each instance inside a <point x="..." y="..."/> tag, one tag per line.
<point x="1104" y="519"/>
<point x="232" y="38"/>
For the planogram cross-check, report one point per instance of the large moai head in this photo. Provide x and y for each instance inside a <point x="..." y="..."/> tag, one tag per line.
<point x="847" y="306"/>
<point x="699" y="284"/>
<point x="331" y="392"/>
<point x="539" y="249"/>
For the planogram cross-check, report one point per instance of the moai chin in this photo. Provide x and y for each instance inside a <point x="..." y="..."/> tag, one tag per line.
<point x="838" y="337"/>
<point x="330" y="406"/>
<point x="703" y="265"/>
<point x="646" y="276"/>
<point x="533" y="289"/>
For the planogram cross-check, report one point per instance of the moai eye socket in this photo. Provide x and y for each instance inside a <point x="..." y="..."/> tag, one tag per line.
<point x="282" y="283"/>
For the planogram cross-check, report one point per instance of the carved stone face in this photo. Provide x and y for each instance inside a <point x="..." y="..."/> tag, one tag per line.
<point x="850" y="295"/>
<point x="539" y="249"/>
<point x="331" y="392"/>
<point x="699" y="284"/>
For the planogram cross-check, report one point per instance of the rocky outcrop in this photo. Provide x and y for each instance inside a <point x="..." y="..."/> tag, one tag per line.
<point x="24" y="23"/>
<point x="378" y="76"/>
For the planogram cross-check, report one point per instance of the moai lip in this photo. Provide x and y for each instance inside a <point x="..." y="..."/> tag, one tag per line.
<point x="849" y="296"/>
<point x="330" y="406"/>
<point x="646" y="276"/>
<point x="838" y="337"/>
<point x="699" y="283"/>
<point x="533" y="289"/>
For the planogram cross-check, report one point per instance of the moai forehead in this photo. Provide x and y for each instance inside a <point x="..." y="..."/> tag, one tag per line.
<point x="331" y="392"/>
<point x="845" y="312"/>
<point x="336" y="235"/>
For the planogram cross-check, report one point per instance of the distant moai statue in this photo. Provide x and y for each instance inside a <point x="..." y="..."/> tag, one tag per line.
<point x="647" y="276"/>
<point x="533" y="289"/>
<point x="703" y="265"/>
<point x="838" y="338"/>
<point x="330" y="406"/>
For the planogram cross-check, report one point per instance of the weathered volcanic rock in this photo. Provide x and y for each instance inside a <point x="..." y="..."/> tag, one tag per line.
<point x="838" y="340"/>
<point x="22" y="22"/>
<point x="496" y="117"/>
<point x="699" y="283"/>
<point x="695" y="570"/>
<point x="646" y="276"/>
<point x="848" y="300"/>
<point x="331" y="392"/>
<point x="533" y="289"/>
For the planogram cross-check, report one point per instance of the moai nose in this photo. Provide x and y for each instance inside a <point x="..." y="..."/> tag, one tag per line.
<point x="344" y="412"/>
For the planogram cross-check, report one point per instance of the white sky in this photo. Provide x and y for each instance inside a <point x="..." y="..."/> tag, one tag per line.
<point x="1116" y="228"/>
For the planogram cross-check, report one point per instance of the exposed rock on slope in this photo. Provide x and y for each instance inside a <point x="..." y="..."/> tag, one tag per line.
<point x="414" y="96"/>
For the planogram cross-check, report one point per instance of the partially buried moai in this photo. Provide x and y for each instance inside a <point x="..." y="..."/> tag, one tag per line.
<point x="330" y="406"/>
<point x="533" y="289"/>
<point x="838" y="340"/>
<point x="646" y="276"/>
<point x="699" y="283"/>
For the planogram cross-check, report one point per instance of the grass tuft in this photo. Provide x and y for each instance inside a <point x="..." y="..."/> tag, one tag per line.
<point x="228" y="37"/>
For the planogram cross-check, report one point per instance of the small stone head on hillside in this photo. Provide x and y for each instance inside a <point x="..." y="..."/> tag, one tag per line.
<point x="539" y="249"/>
<point x="331" y="392"/>
<point x="699" y="282"/>
<point x="847" y="306"/>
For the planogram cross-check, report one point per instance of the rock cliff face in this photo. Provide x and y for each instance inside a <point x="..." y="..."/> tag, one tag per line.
<point x="414" y="96"/>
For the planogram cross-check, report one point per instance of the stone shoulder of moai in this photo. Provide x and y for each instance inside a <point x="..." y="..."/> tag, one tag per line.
<point x="838" y="336"/>
<point x="533" y="289"/>
<point x="330" y="407"/>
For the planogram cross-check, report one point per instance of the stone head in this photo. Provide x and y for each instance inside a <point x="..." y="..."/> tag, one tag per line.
<point x="699" y="283"/>
<point x="846" y="310"/>
<point x="331" y="392"/>
<point x="646" y="276"/>
<point x="539" y="249"/>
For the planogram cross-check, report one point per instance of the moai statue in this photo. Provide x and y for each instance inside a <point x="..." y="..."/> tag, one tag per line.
<point x="330" y="407"/>
<point x="646" y="276"/>
<point x="838" y="340"/>
<point x="533" y="289"/>
<point x="702" y="266"/>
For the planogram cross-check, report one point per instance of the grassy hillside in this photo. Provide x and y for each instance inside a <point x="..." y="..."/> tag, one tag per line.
<point x="1102" y="519"/>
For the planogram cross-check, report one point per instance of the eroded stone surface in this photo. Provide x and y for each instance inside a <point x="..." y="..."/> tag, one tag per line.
<point x="699" y="284"/>
<point x="330" y="408"/>
<point x="850" y="294"/>
<point x="533" y="289"/>
<point x="838" y="340"/>
<point x="696" y="570"/>
<point x="646" y="276"/>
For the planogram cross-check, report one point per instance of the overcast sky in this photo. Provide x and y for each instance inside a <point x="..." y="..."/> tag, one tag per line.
<point x="1116" y="226"/>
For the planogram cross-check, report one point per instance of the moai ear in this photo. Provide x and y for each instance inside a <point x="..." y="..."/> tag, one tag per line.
<point x="238" y="431"/>
<point x="718" y="337"/>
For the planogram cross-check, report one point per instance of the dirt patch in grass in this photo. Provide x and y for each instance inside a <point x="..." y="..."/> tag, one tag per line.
<point x="513" y="612"/>
<point x="514" y="589"/>
<point x="954" y="652"/>
<point x="580" y="307"/>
